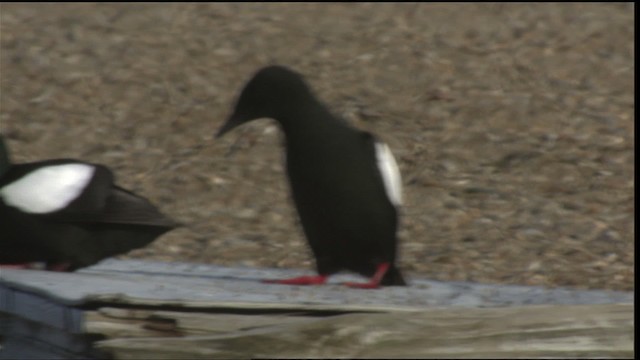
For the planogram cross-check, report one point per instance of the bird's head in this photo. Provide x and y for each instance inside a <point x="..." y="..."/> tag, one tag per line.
<point x="271" y="90"/>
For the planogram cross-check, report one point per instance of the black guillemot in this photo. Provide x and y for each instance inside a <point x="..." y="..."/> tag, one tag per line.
<point x="69" y="214"/>
<point x="345" y="182"/>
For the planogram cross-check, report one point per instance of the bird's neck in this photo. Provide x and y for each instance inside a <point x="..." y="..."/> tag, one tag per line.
<point x="4" y="158"/>
<point x="307" y="119"/>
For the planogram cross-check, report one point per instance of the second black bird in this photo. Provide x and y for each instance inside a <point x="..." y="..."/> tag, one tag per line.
<point x="70" y="214"/>
<point x="345" y="183"/>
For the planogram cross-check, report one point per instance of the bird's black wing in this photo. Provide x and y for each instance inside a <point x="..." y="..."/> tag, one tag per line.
<point x="125" y="207"/>
<point x="104" y="202"/>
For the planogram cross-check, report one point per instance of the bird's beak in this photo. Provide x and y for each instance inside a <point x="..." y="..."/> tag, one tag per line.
<point x="231" y="123"/>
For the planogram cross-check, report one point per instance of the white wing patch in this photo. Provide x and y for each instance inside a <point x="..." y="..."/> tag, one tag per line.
<point x="48" y="189"/>
<point x="390" y="173"/>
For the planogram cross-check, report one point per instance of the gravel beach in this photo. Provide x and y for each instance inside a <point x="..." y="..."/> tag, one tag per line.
<point x="512" y="124"/>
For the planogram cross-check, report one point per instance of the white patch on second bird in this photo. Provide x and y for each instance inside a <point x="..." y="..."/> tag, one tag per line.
<point x="390" y="173"/>
<point x="48" y="189"/>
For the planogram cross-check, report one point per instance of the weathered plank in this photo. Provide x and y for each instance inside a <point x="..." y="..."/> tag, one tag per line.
<point x="170" y="310"/>
<point x="203" y="286"/>
<point x="127" y="323"/>
<point x="520" y="332"/>
<point x="26" y="339"/>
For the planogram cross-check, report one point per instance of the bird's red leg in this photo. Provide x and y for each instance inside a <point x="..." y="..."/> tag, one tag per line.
<point x="300" y="280"/>
<point x="16" y="266"/>
<point x="374" y="283"/>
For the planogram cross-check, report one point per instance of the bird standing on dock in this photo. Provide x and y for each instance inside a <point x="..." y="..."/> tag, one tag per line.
<point x="345" y="183"/>
<point x="69" y="214"/>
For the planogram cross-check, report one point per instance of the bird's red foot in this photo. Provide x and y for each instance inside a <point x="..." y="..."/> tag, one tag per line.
<point x="301" y="280"/>
<point x="368" y="285"/>
<point x="61" y="267"/>
<point x="374" y="283"/>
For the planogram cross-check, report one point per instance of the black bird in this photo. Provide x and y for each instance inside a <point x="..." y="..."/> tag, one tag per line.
<point x="345" y="183"/>
<point x="69" y="214"/>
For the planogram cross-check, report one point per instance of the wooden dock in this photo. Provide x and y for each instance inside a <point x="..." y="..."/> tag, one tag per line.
<point x="147" y="310"/>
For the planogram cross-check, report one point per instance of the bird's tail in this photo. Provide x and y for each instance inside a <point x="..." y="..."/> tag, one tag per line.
<point x="393" y="277"/>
